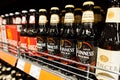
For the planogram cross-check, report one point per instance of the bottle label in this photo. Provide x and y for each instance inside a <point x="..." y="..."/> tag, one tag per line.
<point x="4" y="21"/>
<point x="23" y="43"/>
<point x="32" y="43"/>
<point x="108" y="60"/>
<point x="54" y="18"/>
<point x="69" y="18"/>
<point x="85" y="51"/>
<point x="24" y="21"/>
<point x="42" y="19"/>
<point x="32" y="19"/>
<point x="53" y="46"/>
<point x="67" y="48"/>
<point x="113" y="15"/>
<point x="88" y="16"/>
<point x="13" y="19"/>
<point x="41" y="44"/>
<point x="18" y="20"/>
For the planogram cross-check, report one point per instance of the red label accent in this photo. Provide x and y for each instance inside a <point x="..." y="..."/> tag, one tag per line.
<point x="32" y="42"/>
<point x="12" y="36"/>
<point x="23" y="42"/>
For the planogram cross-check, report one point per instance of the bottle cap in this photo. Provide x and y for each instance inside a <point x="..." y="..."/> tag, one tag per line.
<point x="13" y="71"/>
<point x="2" y="16"/>
<point x="11" y="14"/>
<point x="76" y="9"/>
<point x="32" y="10"/>
<point x="88" y="3"/>
<point x="97" y="7"/>
<point x="42" y="10"/>
<point x="24" y="11"/>
<point x="16" y="13"/>
<point x="69" y="6"/>
<point x="54" y="8"/>
<point x="6" y="15"/>
<point x="8" y="69"/>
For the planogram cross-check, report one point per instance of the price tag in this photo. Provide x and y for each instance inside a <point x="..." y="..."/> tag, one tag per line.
<point x="35" y="71"/>
<point x="21" y="64"/>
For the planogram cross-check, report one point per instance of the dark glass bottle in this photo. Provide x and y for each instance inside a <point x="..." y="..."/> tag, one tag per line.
<point x="32" y="32"/>
<point x="42" y="34"/>
<point x="62" y="21"/>
<point x="42" y="31"/>
<point x="68" y="40"/>
<point x="13" y="73"/>
<point x="86" y="49"/>
<point x="7" y="19"/>
<point x="18" y="18"/>
<point x="11" y="18"/>
<point x="53" y="39"/>
<point x="78" y="16"/>
<point x="23" y="33"/>
<point x="109" y="45"/>
<point x="98" y="27"/>
<point x="24" y="23"/>
<point x="3" y="20"/>
<point x="32" y="25"/>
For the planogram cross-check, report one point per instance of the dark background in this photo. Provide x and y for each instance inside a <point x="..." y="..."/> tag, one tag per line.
<point x="7" y="6"/>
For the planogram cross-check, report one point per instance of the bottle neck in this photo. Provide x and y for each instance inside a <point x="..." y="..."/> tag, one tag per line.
<point x="32" y="19"/>
<point x="24" y="19"/>
<point x="88" y="25"/>
<point x="88" y="7"/>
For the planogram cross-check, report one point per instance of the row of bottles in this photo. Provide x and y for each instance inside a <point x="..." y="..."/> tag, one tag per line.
<point x="7" y="72"/>
<point x="80" y="34"/>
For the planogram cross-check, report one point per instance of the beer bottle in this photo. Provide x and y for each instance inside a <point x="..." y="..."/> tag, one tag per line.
<point x="42" y="31"/>
<point x="7" y="19"/>
<point x="42" y="34"/>
<point x="17" y="18"/>
<point x="11" y="18"/>
<point x="78" y="16"/>
<point x="23" y="33"/>
<point x="53" y="39"/>
<point x="32" y="25"/>
<point x="98" y="23"/>
<point x="32" y="32"/>
<point x="86" y="44"/>
<point x="62" y="20"/>
<point x="108" y="54"/>
<point x="3" y="20"/>
<point x="24" y="23"/>
<point x="68" y="40"/>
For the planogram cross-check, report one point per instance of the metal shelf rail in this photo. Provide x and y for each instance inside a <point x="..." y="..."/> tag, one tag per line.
<point x="69" y="72"/>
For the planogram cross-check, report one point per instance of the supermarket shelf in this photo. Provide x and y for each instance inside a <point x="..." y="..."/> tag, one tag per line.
<point x="28" y="67"/>
<point x="31" y="68"/>
<point x="40" y="67"/>
<point x="7" y="57"/>
<point x="37" y="71"/>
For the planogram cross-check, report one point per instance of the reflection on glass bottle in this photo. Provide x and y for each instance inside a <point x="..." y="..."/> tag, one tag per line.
<point x="109" y="45"/>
